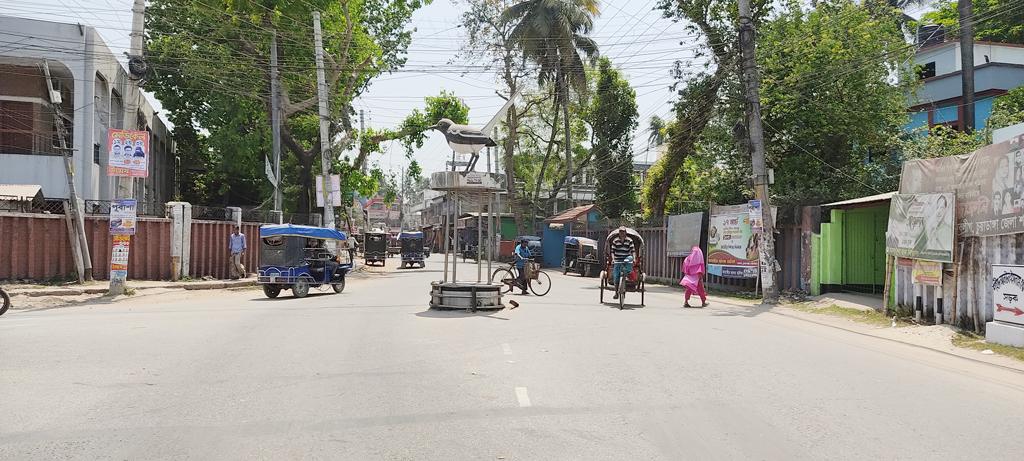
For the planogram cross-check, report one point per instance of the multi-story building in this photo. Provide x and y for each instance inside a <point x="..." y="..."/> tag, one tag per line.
<point x="97" y="93"/>
<point x="998" y="68"/>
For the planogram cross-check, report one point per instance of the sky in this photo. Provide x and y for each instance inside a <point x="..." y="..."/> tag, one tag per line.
<point x="635" y="36"/>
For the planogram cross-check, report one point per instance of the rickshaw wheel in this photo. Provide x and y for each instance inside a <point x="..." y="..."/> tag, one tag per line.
<point x="603" y="283"/>
<point x="339" y="287"/>
<point x="300" y="289"/>
<point x="271" y="291"/>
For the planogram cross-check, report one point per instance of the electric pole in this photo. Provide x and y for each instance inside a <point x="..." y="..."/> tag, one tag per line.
<point x="964" y="8"/>
<point x="359" y="145"/>
<point x="325" y="140"/>
<point x="275" y="120"/>
<point x="770" y="291"/>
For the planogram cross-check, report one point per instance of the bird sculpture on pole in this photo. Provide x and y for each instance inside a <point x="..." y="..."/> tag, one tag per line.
<point x="464" y="139"/>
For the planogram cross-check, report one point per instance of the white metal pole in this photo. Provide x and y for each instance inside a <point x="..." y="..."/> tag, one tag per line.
<point x="325" y="140"/>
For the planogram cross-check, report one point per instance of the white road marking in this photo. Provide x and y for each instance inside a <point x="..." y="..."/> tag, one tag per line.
<point x="506" y="348"/>
<point x="522" y="397"/>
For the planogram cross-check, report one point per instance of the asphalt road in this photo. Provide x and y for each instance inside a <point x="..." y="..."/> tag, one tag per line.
<point x="373" y="374"/>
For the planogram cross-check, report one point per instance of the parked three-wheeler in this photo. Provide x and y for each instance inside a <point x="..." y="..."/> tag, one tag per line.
<point x="375" y="248"/>
<point x="412" y="248"/>
<point x="298" y="257"/>
<point x="580" y="256"/>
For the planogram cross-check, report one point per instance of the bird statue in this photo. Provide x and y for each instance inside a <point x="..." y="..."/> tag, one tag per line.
<point x="464" y="139"/>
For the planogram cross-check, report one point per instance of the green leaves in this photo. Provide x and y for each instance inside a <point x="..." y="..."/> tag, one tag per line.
<point x="613" y="117"/>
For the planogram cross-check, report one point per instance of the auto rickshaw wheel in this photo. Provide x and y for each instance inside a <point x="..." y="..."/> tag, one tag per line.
<point x="271" y="291"/>
<point x="339" y="287"/>
<point x="300" y="289"/>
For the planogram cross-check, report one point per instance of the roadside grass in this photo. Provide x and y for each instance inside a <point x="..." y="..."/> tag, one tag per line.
<point x="869" y="316"/>
<point x="972" y="341"/>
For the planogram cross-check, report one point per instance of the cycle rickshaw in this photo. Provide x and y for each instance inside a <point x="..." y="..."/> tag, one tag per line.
<point x="632" y="282"/>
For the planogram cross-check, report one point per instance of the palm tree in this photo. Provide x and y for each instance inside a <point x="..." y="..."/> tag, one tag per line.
<point x="656" y="127"/>
<point x="552" y="33"/>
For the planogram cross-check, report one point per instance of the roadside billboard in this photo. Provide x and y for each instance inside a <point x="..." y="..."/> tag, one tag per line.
<point x="921" y="227"/>
<point x="122" y="217"/>
<point x="988" y="185"/>
<point x="1008" y="293"/>
<point x="732" y="243"/>
<point x="683" y="233"/>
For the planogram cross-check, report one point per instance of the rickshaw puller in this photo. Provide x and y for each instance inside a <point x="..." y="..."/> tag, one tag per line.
<point x="622" y="256"/>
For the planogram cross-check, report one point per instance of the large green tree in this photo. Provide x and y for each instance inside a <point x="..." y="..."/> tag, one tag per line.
<point x="613" y="118"/>
<point x="553" y="34"/>
<point x="211" y="69"/>
<point x="996" y="20"/>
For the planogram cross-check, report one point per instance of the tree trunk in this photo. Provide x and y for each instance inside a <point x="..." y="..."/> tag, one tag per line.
<point x="547" y="158"/>
<point x="306" y="181"/>
<point x="568" y="140"/>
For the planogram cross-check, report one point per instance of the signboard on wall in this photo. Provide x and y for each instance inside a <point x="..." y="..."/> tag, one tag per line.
<point x="1008" y="293"/>
<point x="927" y="273"/>
<point x="122" y="217"/>
<point x="732" y="243"/>
<point x="988" y="185"/>
<point x="128" y="153"/>
<point x="683" y="233"/>
<point x="921" y="226"/>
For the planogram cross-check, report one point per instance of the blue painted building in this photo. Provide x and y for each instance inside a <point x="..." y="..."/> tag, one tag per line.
<point x="998" y="68"/>
<point x="574" y="221"/>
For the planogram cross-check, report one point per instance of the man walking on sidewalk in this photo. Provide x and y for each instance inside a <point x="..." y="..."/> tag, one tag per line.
<point x="236" y="245"/>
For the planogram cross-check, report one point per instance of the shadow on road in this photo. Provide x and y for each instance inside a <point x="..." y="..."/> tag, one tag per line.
<point x="459" y="313"/>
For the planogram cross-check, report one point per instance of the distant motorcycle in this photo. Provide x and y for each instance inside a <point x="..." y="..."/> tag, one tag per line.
<point x="6" y="301"/>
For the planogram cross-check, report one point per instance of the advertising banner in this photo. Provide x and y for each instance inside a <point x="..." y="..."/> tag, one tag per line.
<point x="756" y="216"/>
<point x="988" y="184"/>
<point x="122" y="217"/>
<point x="119" y="257"/>
<point x="732" y="244"/>
<point x="1008" y="293"/>
<point x="927" y="272"/>
<point x="128" y="153"/>
<point x="921" y="226"/>
<point x="683" y="233"/>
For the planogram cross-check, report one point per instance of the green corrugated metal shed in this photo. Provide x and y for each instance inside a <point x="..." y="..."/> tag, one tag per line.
<point x="850" y="250"/>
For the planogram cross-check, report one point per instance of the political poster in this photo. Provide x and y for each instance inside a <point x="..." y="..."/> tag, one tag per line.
<point x="1008" y="293"/>
<point x="927" y="272"/>
<point x="128" y="153"/>
<point x="683" y="233"/>
<point x="122" y="217"/>
<point x="732" y="244"/>
<point x="119" y="257"/>
<point x="335" y="191"/>
<point x="756" y="216"/>
<point x="921" y="227"/>
<point x="988" y="185"/>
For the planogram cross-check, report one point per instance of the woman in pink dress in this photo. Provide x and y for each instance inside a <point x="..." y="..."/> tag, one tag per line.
<point x="693" y="277"/>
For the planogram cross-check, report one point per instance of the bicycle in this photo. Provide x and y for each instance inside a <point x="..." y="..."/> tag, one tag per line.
<point x="5" y="301"/>
<point x="537" y="280"/>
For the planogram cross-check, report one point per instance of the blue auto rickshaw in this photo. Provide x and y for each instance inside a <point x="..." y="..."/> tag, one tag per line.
<point x="298" y="257"/>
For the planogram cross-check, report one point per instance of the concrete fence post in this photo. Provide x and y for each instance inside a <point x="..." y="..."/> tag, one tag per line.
<point x="236" y="215"/>
<point x="277" y="217"/>
<point x="180" y="214"/>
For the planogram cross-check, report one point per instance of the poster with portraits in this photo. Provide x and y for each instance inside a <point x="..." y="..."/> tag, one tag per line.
<point x="921" y="227"/>
<point x="988" y="185"/>
<point x="128" y="153"/>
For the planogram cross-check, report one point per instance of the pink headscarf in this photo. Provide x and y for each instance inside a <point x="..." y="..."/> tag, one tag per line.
<point x="694" y="263"/>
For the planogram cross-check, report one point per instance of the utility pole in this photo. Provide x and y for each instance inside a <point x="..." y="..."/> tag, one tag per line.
<point x="769" y="289"/>
<point x="964" y="8"/>
<point x="125" y="186"/>
<point x="79" y="244"/>
<point x="275" y="120"/>
<point x="325" y="140"/>
<point x="568" y="142"/>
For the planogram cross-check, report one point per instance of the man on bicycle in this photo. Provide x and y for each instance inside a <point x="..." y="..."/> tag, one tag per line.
<point x="522" y="255"/>
<point x="622" y="257"/>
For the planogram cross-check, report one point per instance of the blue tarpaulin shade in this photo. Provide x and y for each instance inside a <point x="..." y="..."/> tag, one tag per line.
<point x="291" y="230"/>
<point x="410" y="235"/>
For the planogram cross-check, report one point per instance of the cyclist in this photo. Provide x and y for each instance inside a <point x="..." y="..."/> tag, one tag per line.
<point x="622" y="256"/>
<point x="522" y="255"/>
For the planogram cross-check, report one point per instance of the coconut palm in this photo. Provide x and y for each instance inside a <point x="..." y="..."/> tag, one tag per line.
<point x="552" y="33"/>
<point x="656" y="127"/>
